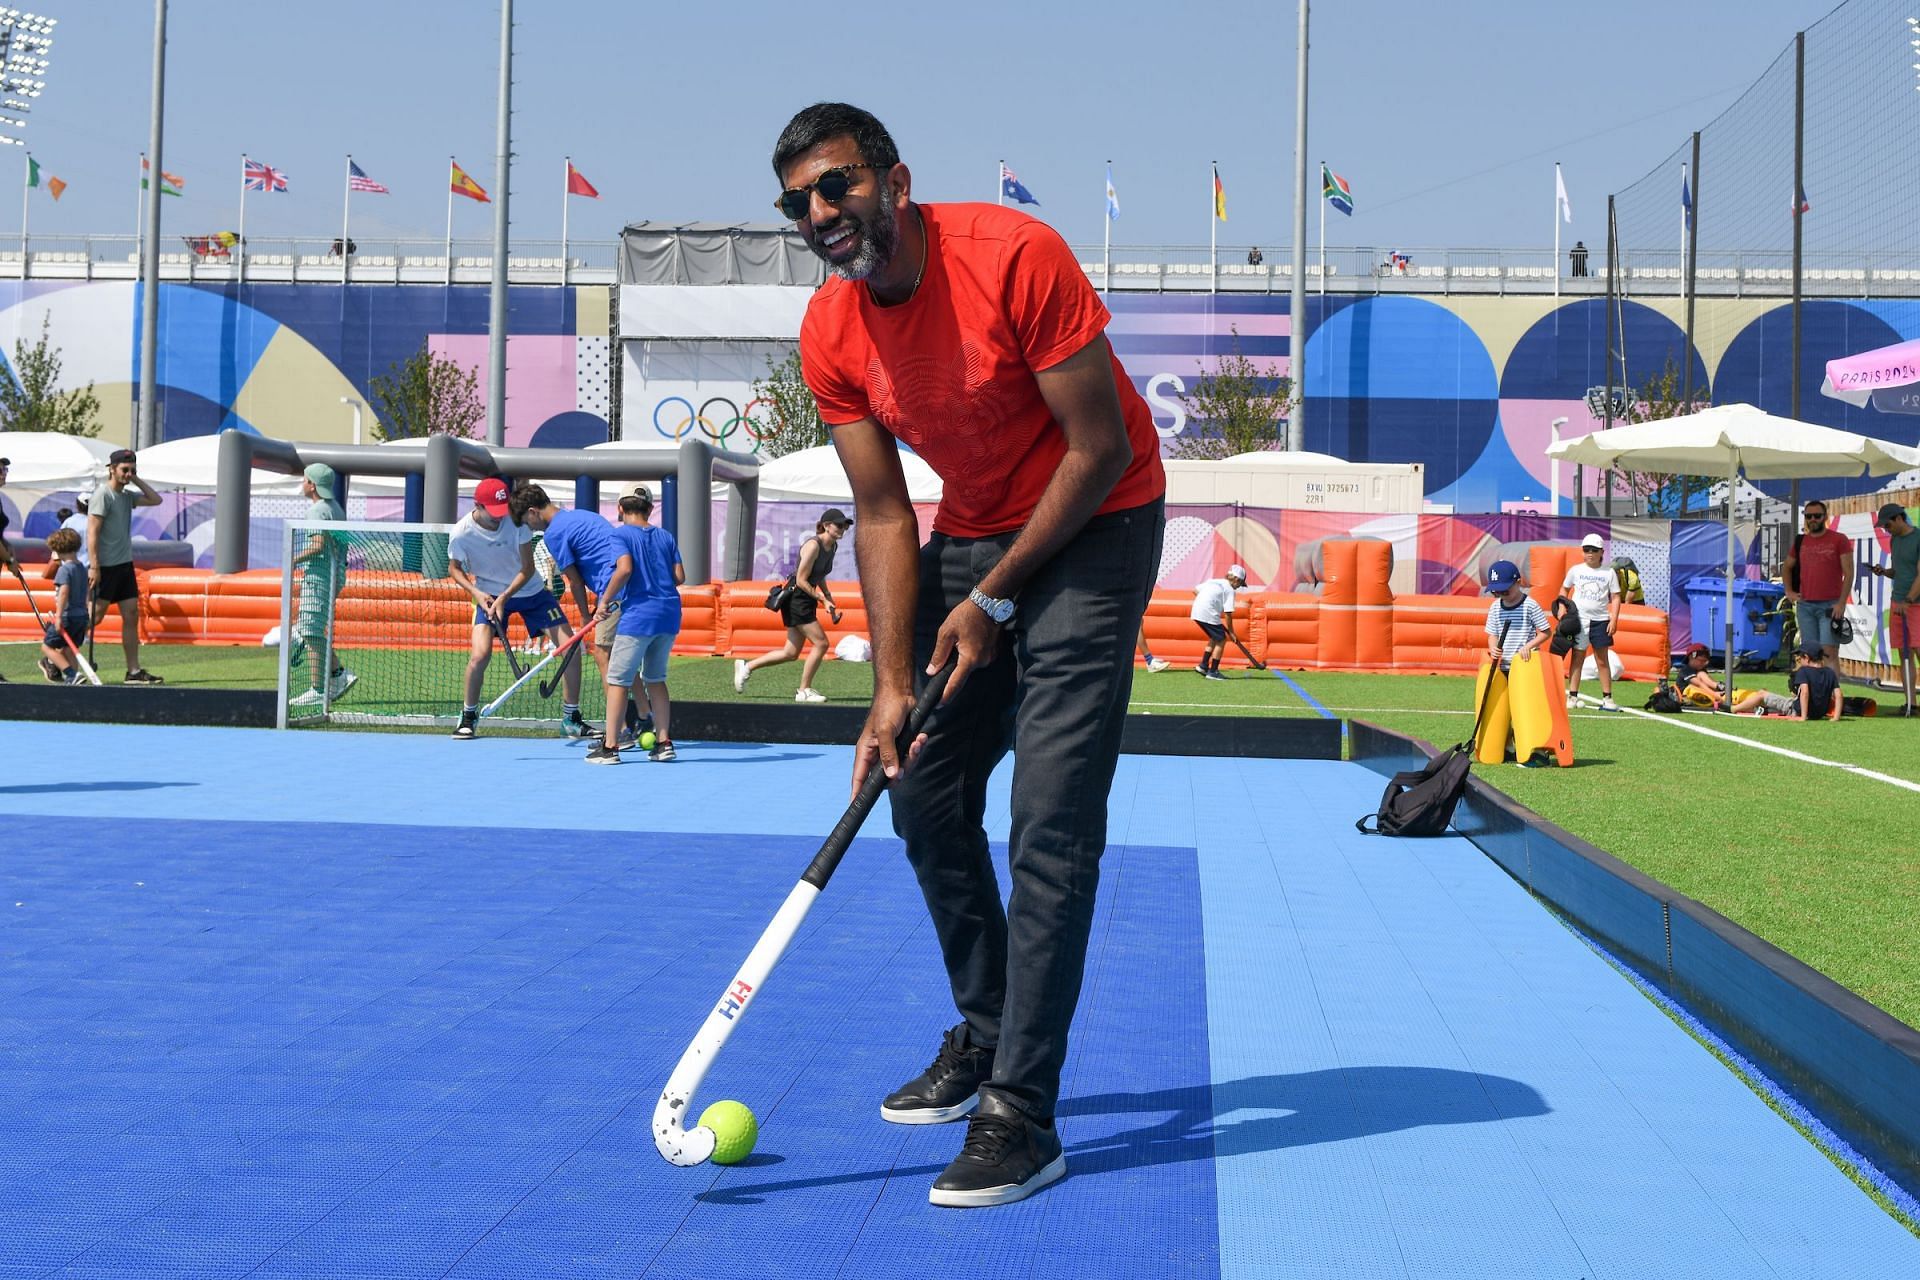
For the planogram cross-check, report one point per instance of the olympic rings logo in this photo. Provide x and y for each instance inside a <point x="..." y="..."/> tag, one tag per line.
<point x="719" y="426"/>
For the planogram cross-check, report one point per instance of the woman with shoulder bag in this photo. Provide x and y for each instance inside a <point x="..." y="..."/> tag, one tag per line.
<point x="806" y="592"/>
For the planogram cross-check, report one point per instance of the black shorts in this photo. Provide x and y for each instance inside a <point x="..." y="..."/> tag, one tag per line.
<point x="1215" y="632"/>
<point x="117" y="583"/>
<point x="800" y="609"/>
<point x="76" y="629"/>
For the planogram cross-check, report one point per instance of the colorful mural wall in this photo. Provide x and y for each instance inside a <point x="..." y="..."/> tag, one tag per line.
<point x="277" y="358"/>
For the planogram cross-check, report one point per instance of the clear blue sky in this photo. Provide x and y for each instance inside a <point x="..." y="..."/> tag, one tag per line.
<point x="1445" y="118"/>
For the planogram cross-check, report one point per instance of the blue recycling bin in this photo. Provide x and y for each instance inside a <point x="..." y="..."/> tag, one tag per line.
<point x="1756" y="617"/>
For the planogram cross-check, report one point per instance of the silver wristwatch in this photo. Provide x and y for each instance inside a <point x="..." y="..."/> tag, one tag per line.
<point x="1001" y="611"/>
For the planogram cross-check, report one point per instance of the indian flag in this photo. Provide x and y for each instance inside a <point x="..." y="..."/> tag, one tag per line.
<point x="170" y="184"/>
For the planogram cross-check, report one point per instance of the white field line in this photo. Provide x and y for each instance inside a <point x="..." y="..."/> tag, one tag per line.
<point x="1860" y="770"/>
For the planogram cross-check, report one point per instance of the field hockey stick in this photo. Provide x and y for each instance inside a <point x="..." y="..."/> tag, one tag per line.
<point x="693" y="1146"/>
<point x="1258" y="665"/>
<point x="500" y="629"/>
<point x="562" y="652"/>
<point x="85" y="666"/>
<point x="552" y="682"/>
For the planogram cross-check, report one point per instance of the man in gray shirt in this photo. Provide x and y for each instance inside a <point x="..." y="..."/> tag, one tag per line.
<point x="110" y="554"/>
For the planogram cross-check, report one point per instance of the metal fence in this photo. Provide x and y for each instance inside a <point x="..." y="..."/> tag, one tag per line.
<point x="218" y="257"/>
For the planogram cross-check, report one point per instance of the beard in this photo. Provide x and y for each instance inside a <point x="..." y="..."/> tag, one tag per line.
<point x="879" y="239"/>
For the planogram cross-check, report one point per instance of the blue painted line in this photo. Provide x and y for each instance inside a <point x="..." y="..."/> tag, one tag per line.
<point x="1308" y="698"/>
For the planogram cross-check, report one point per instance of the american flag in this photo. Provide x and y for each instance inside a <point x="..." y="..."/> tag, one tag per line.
<point x="261" y="177"/>
<point x="357" y="180"/>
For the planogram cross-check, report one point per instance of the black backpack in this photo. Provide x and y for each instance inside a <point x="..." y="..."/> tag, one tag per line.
<point x="1420" y="802"/>
<point x="1665" y="699"/>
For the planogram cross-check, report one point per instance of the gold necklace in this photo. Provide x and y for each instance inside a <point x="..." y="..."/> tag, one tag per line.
<point x="921" y="218"/>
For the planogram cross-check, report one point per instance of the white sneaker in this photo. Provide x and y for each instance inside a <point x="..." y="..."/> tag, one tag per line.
<point x="1608" y="704"/>
<point x="740" y="674"/>
<point x="1157" y="665"/>
<point x="809" y="695"/>
<point x="341" y="681"/>
<point x="311" y="698"/>
<point x="1573" y="700"/>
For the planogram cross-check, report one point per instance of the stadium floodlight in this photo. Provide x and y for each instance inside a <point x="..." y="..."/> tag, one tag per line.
<point x="25" y="40"/>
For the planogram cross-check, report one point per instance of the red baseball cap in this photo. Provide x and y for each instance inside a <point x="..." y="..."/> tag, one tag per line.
<point x="492" y="496"/>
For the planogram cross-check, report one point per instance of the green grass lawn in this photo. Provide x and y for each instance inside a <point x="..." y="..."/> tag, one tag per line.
<point x="1814" y="859"/>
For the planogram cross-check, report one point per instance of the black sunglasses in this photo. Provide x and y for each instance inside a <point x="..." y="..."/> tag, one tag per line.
<point x="833" y="186"/>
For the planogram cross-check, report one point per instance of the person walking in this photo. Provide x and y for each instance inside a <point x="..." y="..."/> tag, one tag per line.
<point x="801" y="612"/>
<point x="969" y="332"/>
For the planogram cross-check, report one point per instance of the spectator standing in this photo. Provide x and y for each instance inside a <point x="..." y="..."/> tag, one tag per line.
<point x="110" y="572"/>
<point x="1903" y="611"/>
<point x="1595" y="590"/>
<point x="1255" y="257"/>
<point x="801" y="612"/>
<point x="77" y="521"/>
<point x="1819" y="574"/>
<point x="1578" y="257"/>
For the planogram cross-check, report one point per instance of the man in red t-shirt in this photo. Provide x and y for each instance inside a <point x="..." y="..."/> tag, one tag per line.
<point x="970" y="333"/>
<point x="1819" y="574"/>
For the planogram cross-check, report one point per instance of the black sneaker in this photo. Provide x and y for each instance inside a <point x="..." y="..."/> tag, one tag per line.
<point x="948" y="1089"/>
<point x="469" y="724"/>
<point x="143" y="676"/>
<point x="576" y="727"/>
<point x="603" y="754"/>
<point x="1007" y="1157"/>
<point x="663" y="752"/>
<point x="51" y="672"/>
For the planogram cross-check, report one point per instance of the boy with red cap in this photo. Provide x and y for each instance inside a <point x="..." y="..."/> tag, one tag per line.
<point x="491" y="558"/>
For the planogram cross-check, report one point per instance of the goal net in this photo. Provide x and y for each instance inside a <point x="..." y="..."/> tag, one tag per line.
<point x="374" y="631"/>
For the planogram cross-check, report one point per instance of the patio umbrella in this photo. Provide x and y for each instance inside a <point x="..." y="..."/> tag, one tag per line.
<point x="1734" y="439"/>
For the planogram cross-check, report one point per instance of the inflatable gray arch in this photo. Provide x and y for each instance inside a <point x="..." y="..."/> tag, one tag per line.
<point x="693" y="467"/>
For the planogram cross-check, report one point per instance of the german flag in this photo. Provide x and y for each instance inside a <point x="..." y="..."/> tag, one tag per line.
<point x="466" y="186"/>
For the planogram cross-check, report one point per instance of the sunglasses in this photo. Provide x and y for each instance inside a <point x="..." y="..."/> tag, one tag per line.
<point x="833" y="186"/>
<point x="1816" y="515"/>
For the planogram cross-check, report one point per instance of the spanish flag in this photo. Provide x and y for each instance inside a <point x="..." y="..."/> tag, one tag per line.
<point x="465" y="186"/>
<point x="1219" y="196"/>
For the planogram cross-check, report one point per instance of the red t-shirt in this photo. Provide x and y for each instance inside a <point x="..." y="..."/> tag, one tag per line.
<point x="1819" y="563"/>
<point x="951" y="370"/>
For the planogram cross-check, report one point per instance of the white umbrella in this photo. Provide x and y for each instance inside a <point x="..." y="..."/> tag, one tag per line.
<point x="1729" y="440"/>
<point x="54" y="460"/>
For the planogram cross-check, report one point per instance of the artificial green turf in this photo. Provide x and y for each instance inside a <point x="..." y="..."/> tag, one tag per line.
<point x="1816" y="860"/>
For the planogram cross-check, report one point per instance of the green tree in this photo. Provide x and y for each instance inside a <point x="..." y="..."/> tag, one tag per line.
<point x="29" y="401"/>
<point x="793" y="416"/>
<point x="1660" y="493"/>
<point x="427" y="396"/>
<point x="1235" y="409"/>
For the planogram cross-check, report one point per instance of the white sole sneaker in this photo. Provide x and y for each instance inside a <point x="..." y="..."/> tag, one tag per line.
<point x="740" y="674"/>
<point x="986" y="1197"/>
<point x="930" y="1115"/>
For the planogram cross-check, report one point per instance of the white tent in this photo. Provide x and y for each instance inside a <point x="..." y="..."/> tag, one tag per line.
<point x="54" y="460"/>
<point x="192" y="463"/>
<point x="1734" y="439"/>
<point x="815" y="475"/>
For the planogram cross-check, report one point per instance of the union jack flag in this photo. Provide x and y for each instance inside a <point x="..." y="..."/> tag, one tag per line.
<point x="261" y="177"/>
<point x="357" y="180"/>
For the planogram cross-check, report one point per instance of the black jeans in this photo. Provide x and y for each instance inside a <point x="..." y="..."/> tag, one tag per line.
<point x="1058" y="692"/>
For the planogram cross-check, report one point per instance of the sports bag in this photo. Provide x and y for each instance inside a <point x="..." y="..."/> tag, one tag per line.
<point x="1665" y="700"/>
<point x="777" y="595"/>
<point x="1420" y="802"/>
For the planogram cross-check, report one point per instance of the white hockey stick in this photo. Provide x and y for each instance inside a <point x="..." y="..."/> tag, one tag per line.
<point x="694" y="1146"/>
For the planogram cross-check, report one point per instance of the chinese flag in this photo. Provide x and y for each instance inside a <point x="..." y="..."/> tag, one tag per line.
<point x="465" y="186"/>
<point x="577" y="184"/>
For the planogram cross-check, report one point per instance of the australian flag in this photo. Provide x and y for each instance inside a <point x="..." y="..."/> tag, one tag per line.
<point x="1013" y="189"/>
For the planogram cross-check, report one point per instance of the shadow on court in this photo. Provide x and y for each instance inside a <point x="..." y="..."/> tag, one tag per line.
<point x="1320" y="1106"/>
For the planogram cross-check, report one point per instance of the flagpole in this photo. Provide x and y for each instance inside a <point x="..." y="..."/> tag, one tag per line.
<point x="1556" y="229"/>
<point x="1213" y="231"/>
<point x="346" y="206"/>
<point x="1106" y="236"/>
<point x="140" y="209"/>
<point x="1323" y="233"/>
<point x="566" y="199"/>
<point x="450" y="164"/>
<point x="1000" y="186"/>
<point x="240" y="272"/>
<point x="25" y="187"/>
<point x="1683" y="236"/>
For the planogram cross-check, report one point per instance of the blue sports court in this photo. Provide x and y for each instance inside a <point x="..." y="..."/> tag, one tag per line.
<point x="301" y="1004"/>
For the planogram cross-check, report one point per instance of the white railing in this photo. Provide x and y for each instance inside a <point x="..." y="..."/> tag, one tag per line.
<point x="306" y="260"/>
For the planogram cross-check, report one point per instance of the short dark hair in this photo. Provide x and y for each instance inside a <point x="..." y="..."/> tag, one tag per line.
<point x="528" y="497"/>
<point x="634" y="504"/>
<point x="827" y="120"/>
<point x="1811" y="503"/>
